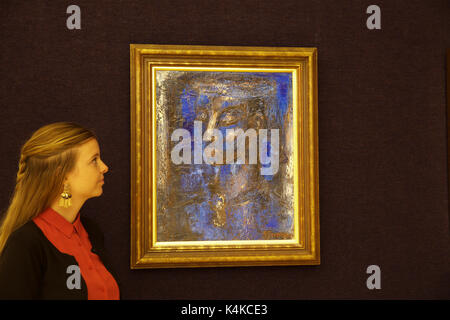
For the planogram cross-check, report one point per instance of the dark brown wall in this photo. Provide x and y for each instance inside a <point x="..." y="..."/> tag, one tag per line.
<point x="382" y="130"/>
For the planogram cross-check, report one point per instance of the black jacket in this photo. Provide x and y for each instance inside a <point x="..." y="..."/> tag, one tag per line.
<point x="31" y="267"/>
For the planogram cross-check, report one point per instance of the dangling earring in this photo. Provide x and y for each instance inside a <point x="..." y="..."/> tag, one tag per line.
<point x="65" y="200"/>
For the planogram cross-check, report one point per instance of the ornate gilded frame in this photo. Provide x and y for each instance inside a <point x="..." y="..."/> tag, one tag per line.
<point x="146" y="252"/>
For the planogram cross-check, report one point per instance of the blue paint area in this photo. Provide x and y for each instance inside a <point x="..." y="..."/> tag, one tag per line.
<point x="283" y="90"/>
<point x="188" y="103"/>
<point x="192" y="181"/>
<point x="203" y="100"/>
<point x="226" y="104"/>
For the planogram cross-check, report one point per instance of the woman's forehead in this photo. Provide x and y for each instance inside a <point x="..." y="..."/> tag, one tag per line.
<point x="89" y="148"/>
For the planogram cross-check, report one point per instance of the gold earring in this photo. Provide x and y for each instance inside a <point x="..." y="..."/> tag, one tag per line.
<point x="65" y="200"/>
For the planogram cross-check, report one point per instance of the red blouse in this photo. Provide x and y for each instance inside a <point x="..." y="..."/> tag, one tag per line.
<point x="72" y="239"/>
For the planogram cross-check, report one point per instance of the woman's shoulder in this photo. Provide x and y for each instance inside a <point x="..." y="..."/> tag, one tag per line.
<point x="27" y="235"/>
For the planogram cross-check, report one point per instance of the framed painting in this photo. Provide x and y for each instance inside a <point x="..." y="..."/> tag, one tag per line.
<point x="224" y="156"/>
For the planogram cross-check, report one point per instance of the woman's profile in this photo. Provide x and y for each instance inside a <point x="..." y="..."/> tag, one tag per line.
<point x="48" y="249"/>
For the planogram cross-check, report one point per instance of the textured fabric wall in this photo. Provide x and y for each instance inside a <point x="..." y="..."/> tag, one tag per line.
<point x="382" y="130"/>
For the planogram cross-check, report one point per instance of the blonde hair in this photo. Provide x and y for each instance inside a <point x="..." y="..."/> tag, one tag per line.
<point x="45" y="159"/>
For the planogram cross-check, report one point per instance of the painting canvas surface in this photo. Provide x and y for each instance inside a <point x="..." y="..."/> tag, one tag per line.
<point x="229" y="200"/>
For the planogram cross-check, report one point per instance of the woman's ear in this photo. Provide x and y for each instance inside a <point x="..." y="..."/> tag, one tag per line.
<point x="59" y="171"/>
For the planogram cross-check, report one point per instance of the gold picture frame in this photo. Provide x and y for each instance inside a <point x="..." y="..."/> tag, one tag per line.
<point x="150" y="248"/>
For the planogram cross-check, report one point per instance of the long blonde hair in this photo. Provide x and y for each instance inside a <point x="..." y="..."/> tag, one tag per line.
<point x="45" y="159"/>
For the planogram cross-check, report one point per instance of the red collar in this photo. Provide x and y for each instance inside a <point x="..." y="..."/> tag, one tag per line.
<point x="55" y="219"/>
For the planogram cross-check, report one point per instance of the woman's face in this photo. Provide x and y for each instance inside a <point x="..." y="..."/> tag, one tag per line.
<point x="86" y="180"/>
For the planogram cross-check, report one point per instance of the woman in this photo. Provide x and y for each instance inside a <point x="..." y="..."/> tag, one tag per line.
<point x="47" y="249"/>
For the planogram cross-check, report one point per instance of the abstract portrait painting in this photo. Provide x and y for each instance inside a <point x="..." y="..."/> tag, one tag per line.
<point x="224" y="156"/>
<point x="225" y="200"/>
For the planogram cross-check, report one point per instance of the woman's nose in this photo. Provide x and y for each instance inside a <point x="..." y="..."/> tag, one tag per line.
<point x="105" y="168"/>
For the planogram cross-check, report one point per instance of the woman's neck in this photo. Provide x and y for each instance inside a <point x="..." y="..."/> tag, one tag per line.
<point x="70" y="213"/>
